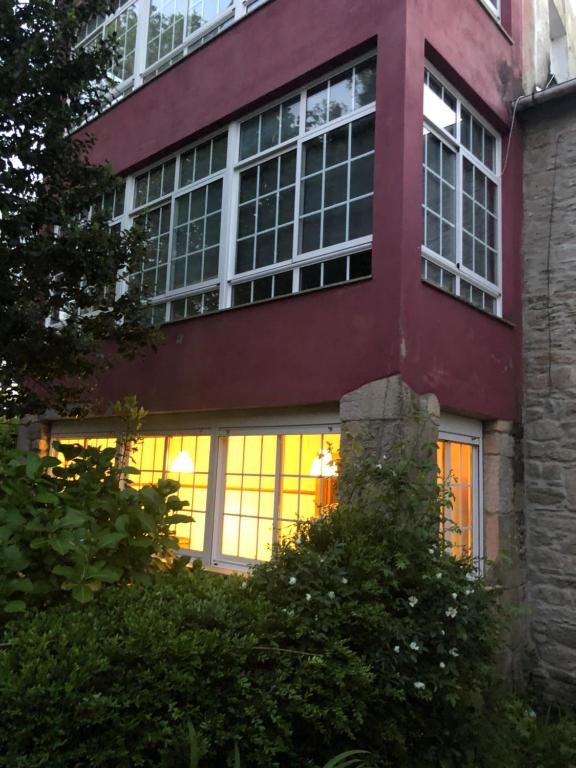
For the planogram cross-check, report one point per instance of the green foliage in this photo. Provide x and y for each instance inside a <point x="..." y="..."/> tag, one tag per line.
<point x="49" y="87"/>
<point x="363" y="633"/>
<point x="115" y="683"/>
<point x="68" y="530"/>
<point x="375" y="573"/>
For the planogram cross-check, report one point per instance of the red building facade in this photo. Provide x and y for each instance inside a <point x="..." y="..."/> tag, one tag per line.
<point x="311" y="264"/>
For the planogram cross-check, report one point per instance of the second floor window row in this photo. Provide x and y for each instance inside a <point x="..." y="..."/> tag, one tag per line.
<point x="152" y="35"/>
<point x="276" y="204"/>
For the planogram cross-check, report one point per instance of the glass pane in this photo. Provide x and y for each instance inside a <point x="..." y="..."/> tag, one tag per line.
<point x="361" y="176"/>
<point x="360" y="218"/>
<point x="337" y="146"/>
<point x="363" y="136"/>
<point x="317" y="106"/>
<point x="290" y="119"/>
<point x="335" y="225"/>
<point x="365" y="83"/>
<point x="249" y="137"/>
<point x="336" y="184"/>
<point x="270" y="128"/>
<point x="340" y="95"/>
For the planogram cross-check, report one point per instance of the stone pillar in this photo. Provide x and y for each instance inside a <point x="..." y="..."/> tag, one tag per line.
<point x="34" y="435"/>
<point x="504" y="544"/>
<point x="387" y="413"/>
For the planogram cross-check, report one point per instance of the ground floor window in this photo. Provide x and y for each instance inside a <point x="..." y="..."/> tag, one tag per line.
<point x="246" y="490"/>
<point x="459" y="466"/>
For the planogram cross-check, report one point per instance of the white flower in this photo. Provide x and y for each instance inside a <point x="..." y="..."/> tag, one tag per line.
<point x="344" y="580"/>
<point x="308" y="597"/>
<point x="468" y="591"/>
<point x="331" y="595"/>
<point x="454" y="652"/>
<point x="451" y="613"/>
<point x="442" y="632"/>
<point x="396" y="649"/>
<point x="470" y="577"/>
<point x="414" y="646"/>
<point x="298" y="541"/>
<point x="419" y="685"/>
<point x="454" y="596"/>
<point x="431" y="550"/>
<point x="292" y="580"/>
<point x="412" y="601"/>
<point x="438" y="575"/>
<point x="442" y="665"/>
<point x="244" y="585"/>
<point x="378" y="466"/>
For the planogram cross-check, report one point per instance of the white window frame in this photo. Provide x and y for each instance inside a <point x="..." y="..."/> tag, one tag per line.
<point x="457" y="268"/>
<point x="230" y="176"/>
<point x="459" y="429"/>
<point x="142" y="74"/>
<point x="494" y="7"/>
<point x="210" y="556"/>
<point x="310" y="257"/>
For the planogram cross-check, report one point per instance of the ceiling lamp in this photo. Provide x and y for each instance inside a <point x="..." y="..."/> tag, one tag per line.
<point x="323" y="465"/>
<point x="182" y="463"/>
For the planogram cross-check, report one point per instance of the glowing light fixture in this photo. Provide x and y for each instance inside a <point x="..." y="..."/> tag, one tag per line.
<point x="323" y="465"/>
<point x="182" y="463"/>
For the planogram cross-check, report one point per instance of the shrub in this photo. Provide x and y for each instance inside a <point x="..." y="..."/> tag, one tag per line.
<point x="69" y="529"/>
<point x="375" y="573"/>
<point x="115" y="683"/>
<point x="364" y="632"/>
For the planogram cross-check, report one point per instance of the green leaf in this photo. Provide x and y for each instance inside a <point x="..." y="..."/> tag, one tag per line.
<point x="22" y="585"/>
<point x="33" y="465"/>
<point x="15" y="606"/>
<point x="348" y="759"/>
<point x="109" y="539"/>
<point x="65" y="570"/>
<point x="61" y="546"/>
<point x="82" y="593"/>
<point x="121" y="522"/>
<point x="194" y="746"/>
<point x="15" y="559"/>
<point x="45" y="497"/>
<point x="72" y="519"/>
<point x="108" y="573"/>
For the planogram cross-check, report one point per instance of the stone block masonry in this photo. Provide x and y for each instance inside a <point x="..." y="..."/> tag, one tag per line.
<point x="550" y="394"/>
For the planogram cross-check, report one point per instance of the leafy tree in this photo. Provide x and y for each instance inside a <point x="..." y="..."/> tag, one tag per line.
<point x="55" y="260"/>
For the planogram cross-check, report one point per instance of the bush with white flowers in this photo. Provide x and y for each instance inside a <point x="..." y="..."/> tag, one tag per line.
<point x="376" y="574"/>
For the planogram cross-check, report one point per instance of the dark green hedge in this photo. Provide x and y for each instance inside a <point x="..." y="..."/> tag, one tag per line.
<point x="363" y="632"/>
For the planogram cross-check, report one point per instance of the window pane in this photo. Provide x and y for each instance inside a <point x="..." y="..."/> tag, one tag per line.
<point x="365" y="83"/>
<point x="340" y="95"/>
<point x="273" y="206"/>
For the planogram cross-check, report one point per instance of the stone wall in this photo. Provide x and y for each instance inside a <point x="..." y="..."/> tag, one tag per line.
<point x="550" y="393"/>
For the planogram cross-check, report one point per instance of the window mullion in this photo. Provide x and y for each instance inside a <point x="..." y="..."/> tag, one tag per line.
<point x="277" y="489"/>
<point x="231" y="198"/>
<point x="298" y="185"/>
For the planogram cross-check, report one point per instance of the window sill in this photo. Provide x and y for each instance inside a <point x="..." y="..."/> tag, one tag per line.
<point x="269" y="301"/>
<point x="465" y="303"/>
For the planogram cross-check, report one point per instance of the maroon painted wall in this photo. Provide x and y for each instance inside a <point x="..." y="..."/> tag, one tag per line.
<point x="312" y="348"/>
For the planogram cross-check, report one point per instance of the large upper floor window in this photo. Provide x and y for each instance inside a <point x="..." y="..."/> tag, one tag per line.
<point x="152" y="35"/>
<point x="278" y="203"/>
<point x="461" y="198"/>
